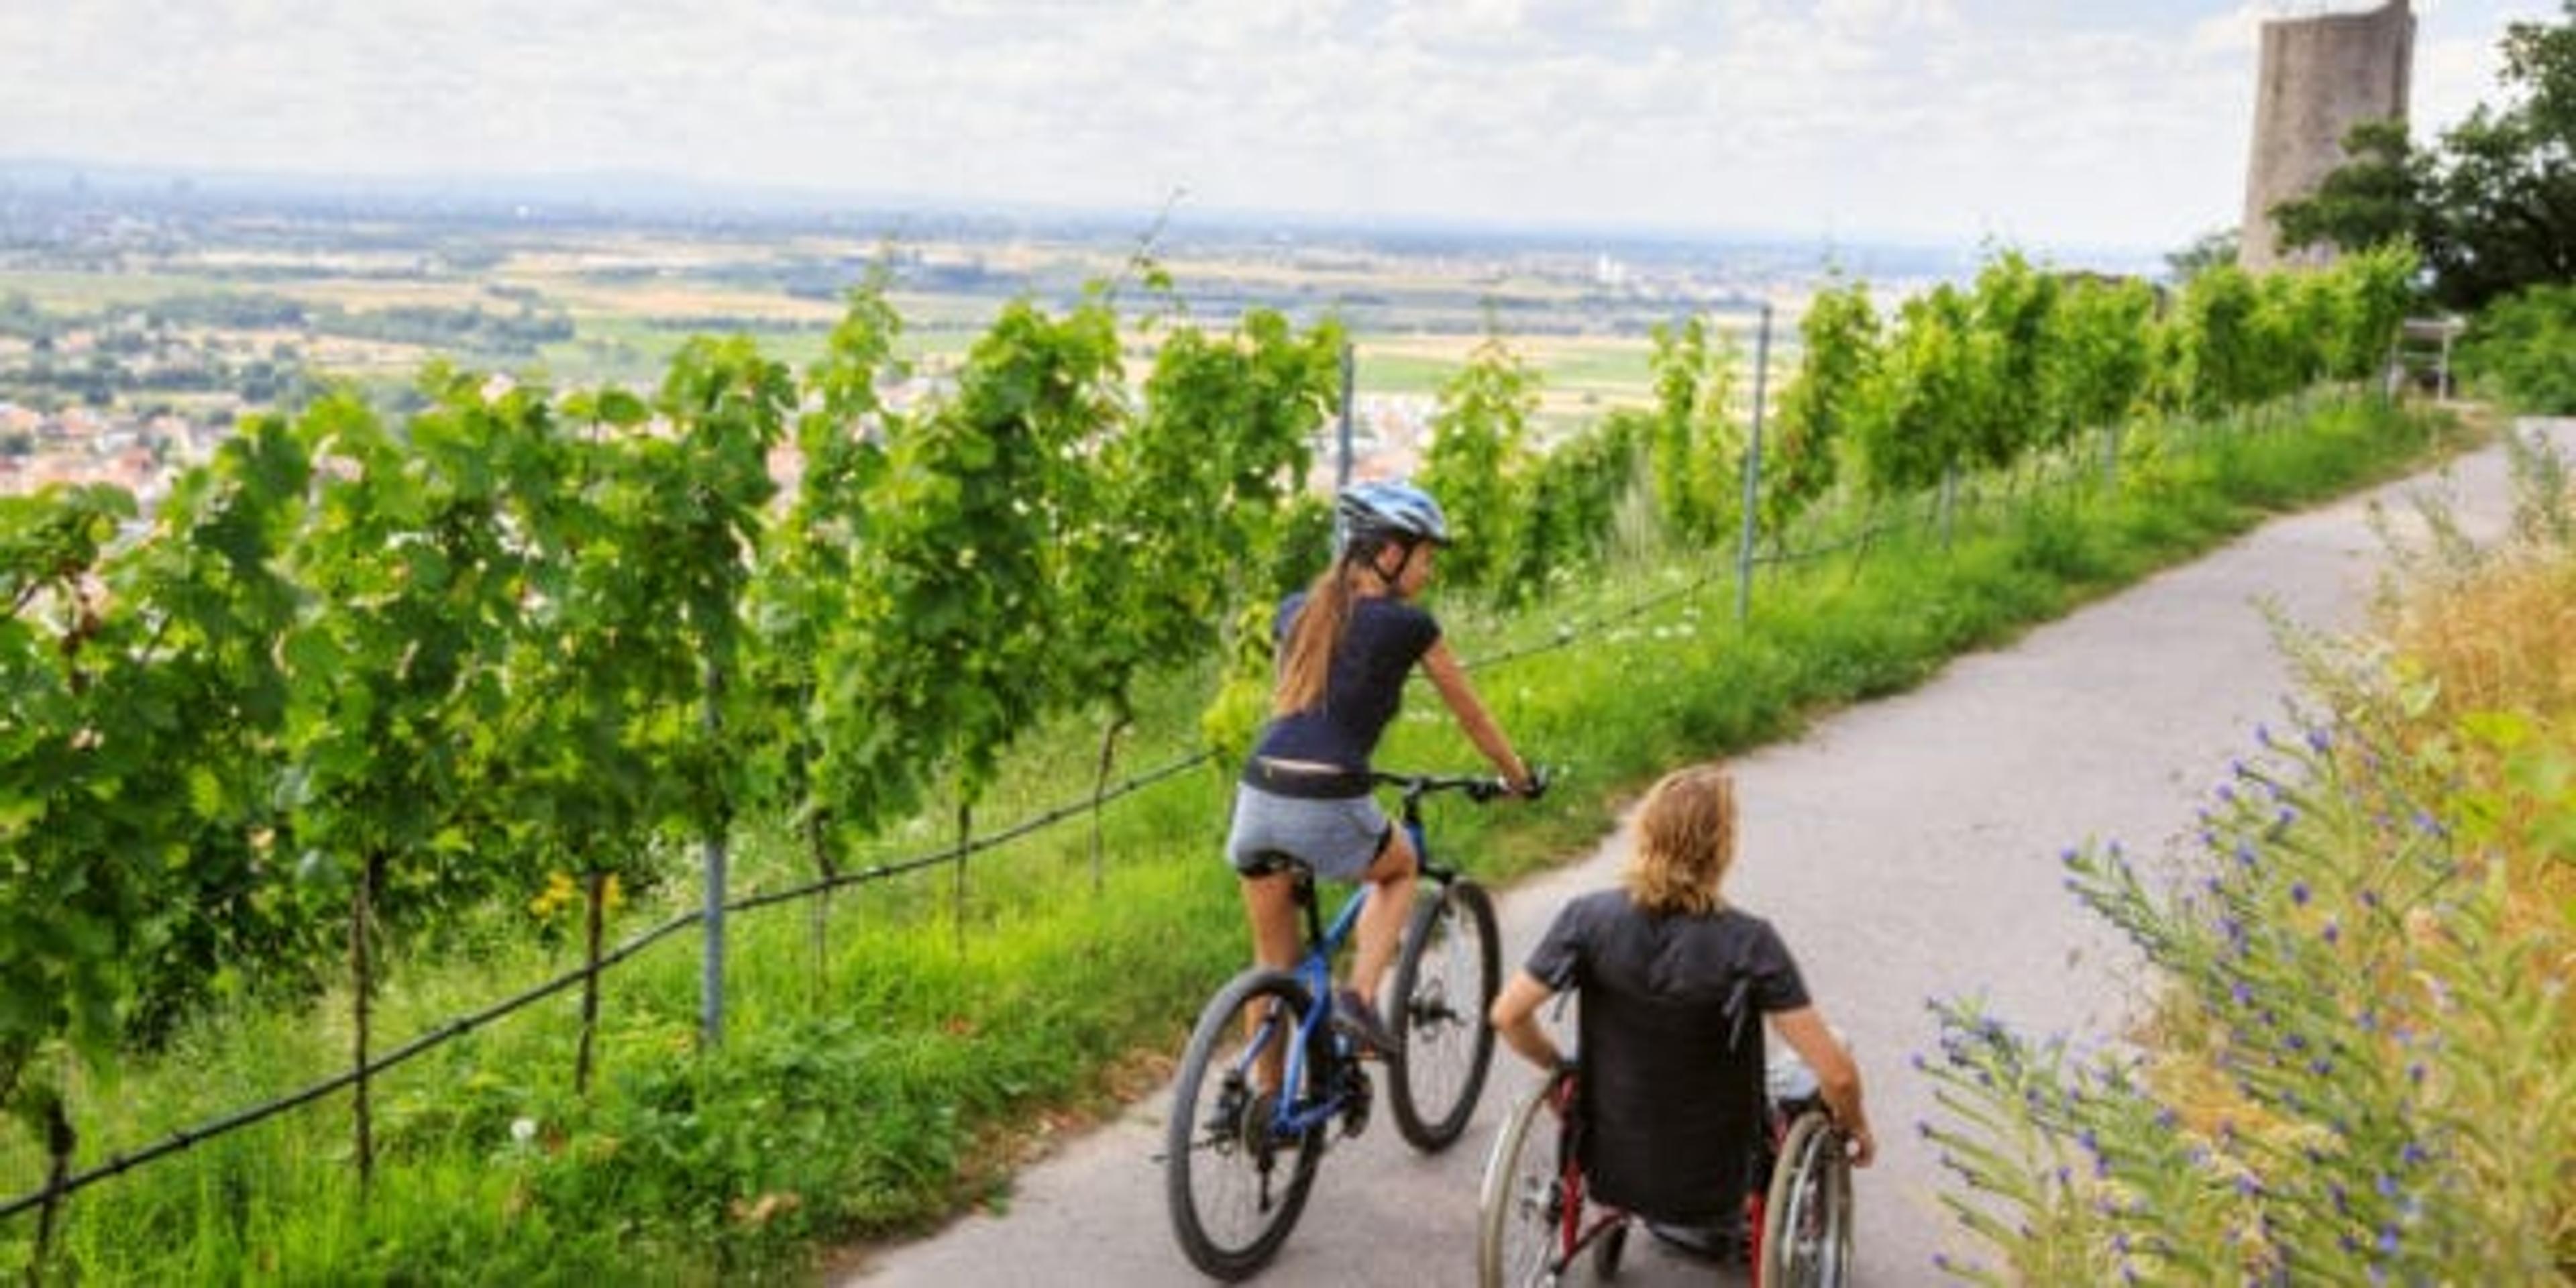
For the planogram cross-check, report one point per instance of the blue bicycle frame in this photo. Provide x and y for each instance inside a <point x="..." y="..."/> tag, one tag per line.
<point x="1291" y="1116"/>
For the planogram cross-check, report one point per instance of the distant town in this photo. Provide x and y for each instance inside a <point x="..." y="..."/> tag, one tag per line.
<point x="143" y="314"/>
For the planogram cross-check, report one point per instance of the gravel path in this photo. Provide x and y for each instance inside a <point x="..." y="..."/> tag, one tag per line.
<point x="1906" y="849"/>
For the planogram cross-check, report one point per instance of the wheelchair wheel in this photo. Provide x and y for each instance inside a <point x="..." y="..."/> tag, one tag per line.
<point x="1445" y="980"/>
<point x="1234" y="1184"/>
<point x="1807" y="1218"/>
<point x="1606" y="1254"/>
<point x="1520" y="1209"/>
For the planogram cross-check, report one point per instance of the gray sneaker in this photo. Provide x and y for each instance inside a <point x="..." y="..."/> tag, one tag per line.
<point x="1360" y="1020"/>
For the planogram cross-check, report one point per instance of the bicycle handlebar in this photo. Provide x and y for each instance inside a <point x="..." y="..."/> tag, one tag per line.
<point x="1479" y="788"/>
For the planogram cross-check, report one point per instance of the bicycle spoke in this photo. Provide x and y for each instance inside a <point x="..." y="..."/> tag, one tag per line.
<point x="1445" y="980"/>
<point x="1235" y="1183"/>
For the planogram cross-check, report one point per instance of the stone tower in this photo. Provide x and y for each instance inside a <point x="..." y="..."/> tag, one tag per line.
<point x="2320" y="76"/>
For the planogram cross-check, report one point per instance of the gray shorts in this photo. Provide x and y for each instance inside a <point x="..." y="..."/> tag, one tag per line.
<point x="1338" y="838"/>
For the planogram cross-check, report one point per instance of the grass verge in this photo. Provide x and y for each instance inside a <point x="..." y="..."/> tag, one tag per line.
<point x="889" y="1057"/>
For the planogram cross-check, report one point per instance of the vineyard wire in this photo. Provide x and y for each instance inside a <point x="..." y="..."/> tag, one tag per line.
<point x="182" y="1139"/>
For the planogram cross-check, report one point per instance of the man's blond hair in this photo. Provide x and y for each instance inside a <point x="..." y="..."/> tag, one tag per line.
<point x="1685" y="842"/>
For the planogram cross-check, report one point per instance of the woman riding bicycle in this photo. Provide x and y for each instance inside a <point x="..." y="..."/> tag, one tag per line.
<point x="1346" y="644"/>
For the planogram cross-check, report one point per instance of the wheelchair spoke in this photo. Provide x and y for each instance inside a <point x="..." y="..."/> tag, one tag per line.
<point x="1522" y="1235"/>
<point x="1809" y="1237"/>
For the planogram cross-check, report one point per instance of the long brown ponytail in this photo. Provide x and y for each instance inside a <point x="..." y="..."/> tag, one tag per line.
<point x="1313" y="639"/>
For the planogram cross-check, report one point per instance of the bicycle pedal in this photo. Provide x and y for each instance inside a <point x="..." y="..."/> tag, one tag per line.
<point x="1358" y="1096"/>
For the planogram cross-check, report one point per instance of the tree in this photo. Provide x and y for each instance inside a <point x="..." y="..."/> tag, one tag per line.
<point x="2374" y="197"/>
<point x="2493" y="207"/>
<point x="2207" y="251"/>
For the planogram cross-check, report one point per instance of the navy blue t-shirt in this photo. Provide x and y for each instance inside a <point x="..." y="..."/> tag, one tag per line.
<point x="1383" y="640"/>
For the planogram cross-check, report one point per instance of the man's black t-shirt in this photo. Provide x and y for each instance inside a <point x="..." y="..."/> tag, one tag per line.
<point x="1380" y="644"/>
<point x="1602" y="940"/>
<point x="1671" y="1046"/>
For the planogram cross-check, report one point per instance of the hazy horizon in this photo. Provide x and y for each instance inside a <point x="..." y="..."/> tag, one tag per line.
<point x="2114" y="125"/>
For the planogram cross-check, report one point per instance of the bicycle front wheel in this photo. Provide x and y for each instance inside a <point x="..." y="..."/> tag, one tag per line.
<point x="1234" y="1182"/>
<point x="1445" y="981"/>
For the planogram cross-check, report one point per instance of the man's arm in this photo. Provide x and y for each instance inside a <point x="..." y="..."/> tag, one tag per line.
<point x="1806" y="1033"/>
<point x="1515" y="1016"/>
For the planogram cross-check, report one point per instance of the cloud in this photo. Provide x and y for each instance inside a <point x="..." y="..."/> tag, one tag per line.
<point x="1942" y="116"/>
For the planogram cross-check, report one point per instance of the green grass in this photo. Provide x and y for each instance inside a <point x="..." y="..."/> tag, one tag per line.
<point x="879" y="1067"/>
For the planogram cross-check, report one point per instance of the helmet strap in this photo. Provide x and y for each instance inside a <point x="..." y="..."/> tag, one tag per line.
<point x="1404" y="561"/>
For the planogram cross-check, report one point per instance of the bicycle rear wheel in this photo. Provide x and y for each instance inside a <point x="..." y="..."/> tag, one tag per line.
<point x="1233" y="1182"/>
<point x="1445" y="981"/>
<point x="1807" y="1219"/>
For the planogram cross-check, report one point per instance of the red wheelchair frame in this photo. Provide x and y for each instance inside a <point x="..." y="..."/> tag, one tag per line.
<point x="1536" y="1215"/>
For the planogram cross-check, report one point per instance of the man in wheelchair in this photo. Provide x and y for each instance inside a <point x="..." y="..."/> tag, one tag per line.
<point x="1670" y="1116"/>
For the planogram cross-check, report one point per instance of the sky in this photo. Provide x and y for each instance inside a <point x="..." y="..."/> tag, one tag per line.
<point x="2034" y="123"/>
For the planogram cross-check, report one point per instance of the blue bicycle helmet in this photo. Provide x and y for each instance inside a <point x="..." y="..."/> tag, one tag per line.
<point x="1387" y="510"/>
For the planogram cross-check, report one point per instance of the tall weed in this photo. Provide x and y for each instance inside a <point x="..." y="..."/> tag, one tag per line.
<point x="2361" y="1065"/>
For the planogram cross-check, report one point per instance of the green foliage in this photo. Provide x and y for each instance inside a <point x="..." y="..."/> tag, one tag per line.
<point x="960" y="645"/>
<point x="2358" y="1064"/>
<point x="1823" y="402"/>
<point x="2493" y="206"/>
<point x="2216" y="355"/>
<point x="2522" y="344"/>
<point x="1570" y="502"/>
<point x="2503" y="195"/>
<point x="2014" y="305"/>
<point x="2207" y="251"/>
<point x="1480" y="449"/>
<point x="805" y="590"/>
<point x="1693" y="448"/>
<point x="1935" y="386"/>
<point x="474" y="649"/>
<point x="1192" y="492"/>
<point x="2375" y="1036"/>
<point x="2372" y="199"/>
<point x="2373" y="290"/>
<point x="2100" y="357"/>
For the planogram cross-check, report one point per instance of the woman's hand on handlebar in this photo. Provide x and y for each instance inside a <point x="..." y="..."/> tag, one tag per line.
<point x="1534" y="785"/>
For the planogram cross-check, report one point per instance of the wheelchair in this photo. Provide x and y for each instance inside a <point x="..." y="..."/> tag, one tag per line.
<point x="1764" y="1174"/>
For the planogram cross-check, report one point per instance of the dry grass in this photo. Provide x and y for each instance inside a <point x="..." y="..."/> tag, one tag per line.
<point x="2488" y="638"/>
<point x="2503" y="637"/>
